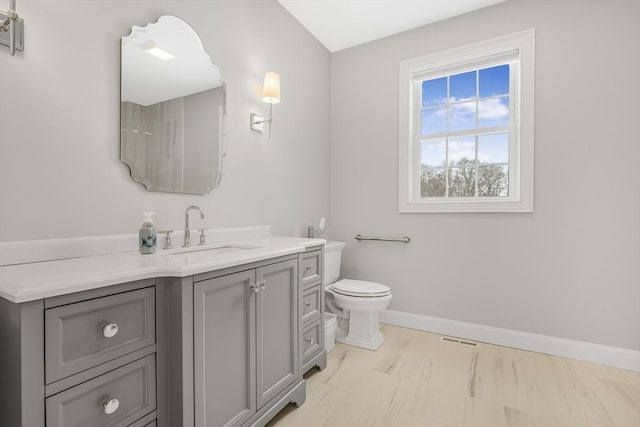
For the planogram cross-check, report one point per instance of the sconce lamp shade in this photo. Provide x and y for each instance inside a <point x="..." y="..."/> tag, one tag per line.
<point x="271" y="89"/>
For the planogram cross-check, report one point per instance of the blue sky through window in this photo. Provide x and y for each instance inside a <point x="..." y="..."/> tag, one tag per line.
<point x="434" y="120"/>
<point x="492" y="110"/>
<point x="494" y="81"/>
<point x="463" y="112"/>
<point x="493" y="148"/>
<point x="434" y="92"/>
<point x="462" y="86"/>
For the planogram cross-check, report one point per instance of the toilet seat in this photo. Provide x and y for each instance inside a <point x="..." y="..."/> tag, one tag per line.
<point x="360" y="289"/>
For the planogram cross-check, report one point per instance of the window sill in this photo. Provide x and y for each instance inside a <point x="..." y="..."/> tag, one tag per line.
<point x="465" y="207"/>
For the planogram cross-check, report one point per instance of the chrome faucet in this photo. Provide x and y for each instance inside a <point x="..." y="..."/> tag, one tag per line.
<point x="187" y="232"/>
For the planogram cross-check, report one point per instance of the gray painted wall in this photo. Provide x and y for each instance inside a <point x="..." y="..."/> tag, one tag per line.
<point x="60" y="173"/>
<point x="571" y="268"/>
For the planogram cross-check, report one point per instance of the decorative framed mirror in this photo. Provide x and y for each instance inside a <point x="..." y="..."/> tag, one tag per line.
<point x="173" y="107"/>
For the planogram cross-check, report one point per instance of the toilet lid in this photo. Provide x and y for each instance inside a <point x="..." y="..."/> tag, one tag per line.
<point x="360" y="288"/>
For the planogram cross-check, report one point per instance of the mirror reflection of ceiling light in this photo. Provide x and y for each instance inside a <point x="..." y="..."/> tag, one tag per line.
<point x="152" y="49"/>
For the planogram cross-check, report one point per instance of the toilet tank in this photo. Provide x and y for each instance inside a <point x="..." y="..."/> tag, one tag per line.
<point x="332" y="258"/>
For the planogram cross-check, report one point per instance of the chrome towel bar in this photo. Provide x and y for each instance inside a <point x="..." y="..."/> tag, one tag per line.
<point x="404" y="239"/>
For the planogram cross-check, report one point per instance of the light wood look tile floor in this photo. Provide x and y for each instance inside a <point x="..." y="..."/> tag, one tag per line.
<point x="417" y="380"/>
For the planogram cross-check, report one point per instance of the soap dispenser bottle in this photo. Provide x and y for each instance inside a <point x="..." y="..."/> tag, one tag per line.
<point x="147" y="235"/>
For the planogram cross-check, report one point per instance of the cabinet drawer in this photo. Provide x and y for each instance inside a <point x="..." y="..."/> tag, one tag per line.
<point x="85" y="334"/>
<point x="311" y="267"/>
<point x="311" y="341"/>
<point x="131" y="391"/>
<point x="148" y="420"/>
<point x="311" y="304"/>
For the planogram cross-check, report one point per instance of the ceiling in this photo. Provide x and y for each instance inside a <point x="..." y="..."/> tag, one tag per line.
<point x="339" y="24"/>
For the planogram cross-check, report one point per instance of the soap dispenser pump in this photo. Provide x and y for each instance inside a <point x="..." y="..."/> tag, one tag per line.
<point x="147" y="235"/>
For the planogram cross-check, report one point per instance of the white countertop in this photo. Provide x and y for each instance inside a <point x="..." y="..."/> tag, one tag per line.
<point x="37" y="280"/>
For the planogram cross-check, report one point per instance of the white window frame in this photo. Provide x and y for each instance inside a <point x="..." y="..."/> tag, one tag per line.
<point x="521" y="139"/>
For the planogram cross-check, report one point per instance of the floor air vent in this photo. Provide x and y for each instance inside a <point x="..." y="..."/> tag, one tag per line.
<point x="459" y="341"/>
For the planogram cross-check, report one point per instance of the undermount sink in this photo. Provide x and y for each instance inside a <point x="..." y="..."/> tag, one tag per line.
<point x="195" y="253"/>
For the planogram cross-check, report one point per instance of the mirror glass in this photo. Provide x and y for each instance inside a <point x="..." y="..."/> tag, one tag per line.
<point x="173" y="105"/>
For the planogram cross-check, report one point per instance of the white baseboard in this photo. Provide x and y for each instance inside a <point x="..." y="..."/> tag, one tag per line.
<point x="579" y="350"/>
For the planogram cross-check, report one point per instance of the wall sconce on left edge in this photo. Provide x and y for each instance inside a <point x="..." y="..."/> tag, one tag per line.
<point x="12" y="29"/>
<point x="270" y="95"/>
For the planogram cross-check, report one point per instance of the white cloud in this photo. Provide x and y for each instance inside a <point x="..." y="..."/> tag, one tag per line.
<point x="454" y="99"/>
<point x="488" y="109"/>
<point x="463" y="113"/>
<point x="492" y="109"/>
<point x="459" y="149"/>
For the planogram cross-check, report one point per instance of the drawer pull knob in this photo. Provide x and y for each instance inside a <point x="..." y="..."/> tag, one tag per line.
<point x="308" y="267"/>
<point x="262" y="284"/>
<point x="110" y="406"/>
<point x="307" y="304"/>
<point x="309" y="340"/>
<point x="255" y="287"/>
<point x="110" y="330"/>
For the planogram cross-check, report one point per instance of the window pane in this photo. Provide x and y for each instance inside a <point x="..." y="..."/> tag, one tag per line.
<point x="432" y="182"/>
<point x="493" y="112"/>
<point x="493" y="181"/>
<point x="434" y="120"/>
<point x="462" y="182"/>
<point x="432" y="153"/>
<point x="462" y="151"/>
<point x="434" y="92"/>
<point x="463" y="86"/>
<point x="494" y="81"/>
<point x="493" y="148"/>
<point x="462" y="116"/>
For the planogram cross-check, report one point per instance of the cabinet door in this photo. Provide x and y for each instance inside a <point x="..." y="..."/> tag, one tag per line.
<point x="224" y="350"/>
<point x="277" y="329"/>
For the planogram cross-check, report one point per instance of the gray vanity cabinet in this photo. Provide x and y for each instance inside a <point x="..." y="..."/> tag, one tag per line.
<point x="220" y="348"/>
<point x="276" y="329"/>
<point x="84" y="359"/>
<point x="245" y="342"/>
<point x="224" y="350"/>
<point x="312" y="342"/>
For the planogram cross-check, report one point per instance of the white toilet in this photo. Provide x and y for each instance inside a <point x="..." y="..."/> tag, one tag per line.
<point x="356" y="302"/>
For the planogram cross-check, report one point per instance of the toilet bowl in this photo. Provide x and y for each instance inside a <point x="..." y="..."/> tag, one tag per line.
<point x="357" y="303"/>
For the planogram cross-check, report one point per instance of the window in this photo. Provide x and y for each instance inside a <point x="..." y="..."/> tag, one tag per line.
<point x="466" y="128"/>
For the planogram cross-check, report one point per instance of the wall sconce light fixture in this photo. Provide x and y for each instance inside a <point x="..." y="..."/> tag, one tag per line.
<point x="270" y="95"/>
<point x="11" y="29"/>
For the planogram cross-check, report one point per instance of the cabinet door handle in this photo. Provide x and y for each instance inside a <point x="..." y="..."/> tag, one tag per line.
<point x="110" y="406"/>
<point x="255" y="287"/>
<point x="262" y="284"/>
<point x="110" y="330"/>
